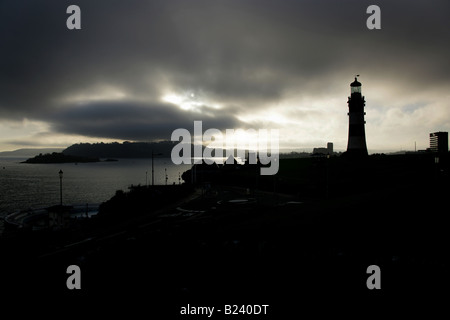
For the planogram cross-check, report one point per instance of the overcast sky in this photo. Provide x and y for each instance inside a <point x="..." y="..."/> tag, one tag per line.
<point x="137" y="70"/>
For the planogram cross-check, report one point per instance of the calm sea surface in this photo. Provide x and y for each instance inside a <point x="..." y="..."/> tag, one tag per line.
<point x="37" y="185"/>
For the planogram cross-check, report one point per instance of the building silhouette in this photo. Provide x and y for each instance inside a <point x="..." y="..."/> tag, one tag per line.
<point x="330" y="148"/>
<point x="439" y="142"/>
<point x="356" y="132"/>
<point x="324" y="151"/>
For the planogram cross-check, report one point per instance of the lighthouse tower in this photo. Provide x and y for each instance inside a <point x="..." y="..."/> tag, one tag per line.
<point x="356" y="133"/>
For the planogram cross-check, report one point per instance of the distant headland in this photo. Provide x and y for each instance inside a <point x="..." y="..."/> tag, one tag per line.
<point x="120" y="150"/>
<point x="60" y="157"/>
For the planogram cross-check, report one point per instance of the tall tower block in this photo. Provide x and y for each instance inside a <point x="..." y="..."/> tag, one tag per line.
<point x="356" y="132"/>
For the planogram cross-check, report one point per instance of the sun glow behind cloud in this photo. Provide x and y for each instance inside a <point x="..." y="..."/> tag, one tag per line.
<point x="190" y="101"/>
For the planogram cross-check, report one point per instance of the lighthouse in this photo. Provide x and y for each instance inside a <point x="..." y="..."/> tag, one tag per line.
<point x="356" y="133"/>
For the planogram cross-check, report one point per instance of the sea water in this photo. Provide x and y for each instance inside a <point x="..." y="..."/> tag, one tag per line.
<point x="24" y="185"/>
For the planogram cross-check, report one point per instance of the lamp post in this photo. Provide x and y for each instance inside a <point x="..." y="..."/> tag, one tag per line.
<point x="153" y="172"/>
<point x="153" y="167"/>
<point x="60" y="186"/>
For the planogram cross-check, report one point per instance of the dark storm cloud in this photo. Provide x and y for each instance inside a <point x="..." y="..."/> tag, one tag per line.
<point x="245" y="54"/>
<point x="129" y="120"/>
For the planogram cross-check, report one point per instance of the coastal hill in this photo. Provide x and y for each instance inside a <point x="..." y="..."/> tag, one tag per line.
<point x="56" y="157"/>
<point x="121" y="150"/>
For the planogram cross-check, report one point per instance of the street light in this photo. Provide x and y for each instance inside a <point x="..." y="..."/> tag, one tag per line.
<point x="153" y="168"/>
<point x="153" y="172"/>
<point x="60" y="186"/>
